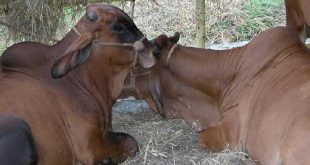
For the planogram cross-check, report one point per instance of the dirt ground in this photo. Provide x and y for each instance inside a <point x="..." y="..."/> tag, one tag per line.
<point x="166" y="142"/>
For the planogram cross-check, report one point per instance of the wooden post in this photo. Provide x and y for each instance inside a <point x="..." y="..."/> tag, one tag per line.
<point x="200" y="23"/>
<point x="132" y="9"/>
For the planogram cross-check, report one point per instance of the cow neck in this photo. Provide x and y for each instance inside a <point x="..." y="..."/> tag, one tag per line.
<point x="82" y="88"/>
<point x="77" y="84"/>
<point x="201" y="68"/>
<point x="155" y="90"/>
<point x="97" y="89"/>
<point x="201" y="73"/>
<point x="100" y="84"/>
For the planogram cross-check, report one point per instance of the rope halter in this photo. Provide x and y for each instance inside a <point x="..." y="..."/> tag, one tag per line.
<point x="171" y="52"/>
<point x="76" y="31"/>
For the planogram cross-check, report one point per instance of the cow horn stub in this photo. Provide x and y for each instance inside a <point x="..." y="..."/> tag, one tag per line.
<point x="92" y="16"/>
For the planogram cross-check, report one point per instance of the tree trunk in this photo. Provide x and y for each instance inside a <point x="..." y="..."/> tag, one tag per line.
<point x="200" y="23"/>
<point x="132" y="9"/>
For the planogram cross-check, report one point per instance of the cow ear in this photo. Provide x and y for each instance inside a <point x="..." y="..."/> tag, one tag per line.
<point x="175" y="38"/>
<point x="161" y="41"/>
<point x="77" y="53"/>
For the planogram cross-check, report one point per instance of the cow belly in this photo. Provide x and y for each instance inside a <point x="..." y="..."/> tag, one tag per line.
<point x="34" y="103"/>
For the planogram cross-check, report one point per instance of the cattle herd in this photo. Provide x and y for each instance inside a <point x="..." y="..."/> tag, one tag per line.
<point x="56" y="101"/>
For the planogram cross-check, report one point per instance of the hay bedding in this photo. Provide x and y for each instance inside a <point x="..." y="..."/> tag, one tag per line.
<point x="166" y="142"/>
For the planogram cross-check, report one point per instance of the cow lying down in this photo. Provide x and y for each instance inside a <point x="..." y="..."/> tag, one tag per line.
<point x="62" y="95"/>
<point x="255" y="97"/>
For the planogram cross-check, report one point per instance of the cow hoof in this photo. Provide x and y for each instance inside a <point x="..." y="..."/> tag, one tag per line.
<point x="128" y="144"/>
<point x="107" y="162"/>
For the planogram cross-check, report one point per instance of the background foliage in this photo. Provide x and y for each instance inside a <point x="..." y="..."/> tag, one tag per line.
<point x="226" y="20"/>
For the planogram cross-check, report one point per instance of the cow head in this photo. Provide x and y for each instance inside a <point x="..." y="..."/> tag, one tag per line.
<point x="103" y="25"/>
<point x="147" y="83"/>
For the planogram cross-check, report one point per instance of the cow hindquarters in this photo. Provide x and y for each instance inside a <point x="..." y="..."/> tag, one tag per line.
<point x="16" y="142"/>
<point x="296" y="144"/>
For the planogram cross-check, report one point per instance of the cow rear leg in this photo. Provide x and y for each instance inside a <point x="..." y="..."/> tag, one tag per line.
<point x="16" y="142"/>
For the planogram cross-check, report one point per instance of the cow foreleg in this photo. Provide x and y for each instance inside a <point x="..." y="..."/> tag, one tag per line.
<point x="212" y="138"/>
<point x="121" y="146"/>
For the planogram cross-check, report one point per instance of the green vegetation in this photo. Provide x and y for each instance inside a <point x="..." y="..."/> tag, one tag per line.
<point x="3" y="45"/>
<point x="260" y="15"/>
<point x="2" y="48"/>
<point x="71" y="15"/>
<point x="266" y="2"/>
<point x="241" y="20"/>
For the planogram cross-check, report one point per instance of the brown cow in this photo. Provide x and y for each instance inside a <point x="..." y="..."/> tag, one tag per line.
<point x="255" y="97"/>
<point x="70" y="117"/>
<point x="298" y="17"/>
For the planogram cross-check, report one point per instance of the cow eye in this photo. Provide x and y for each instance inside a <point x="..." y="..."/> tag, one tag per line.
<point x="118" y="28"/>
